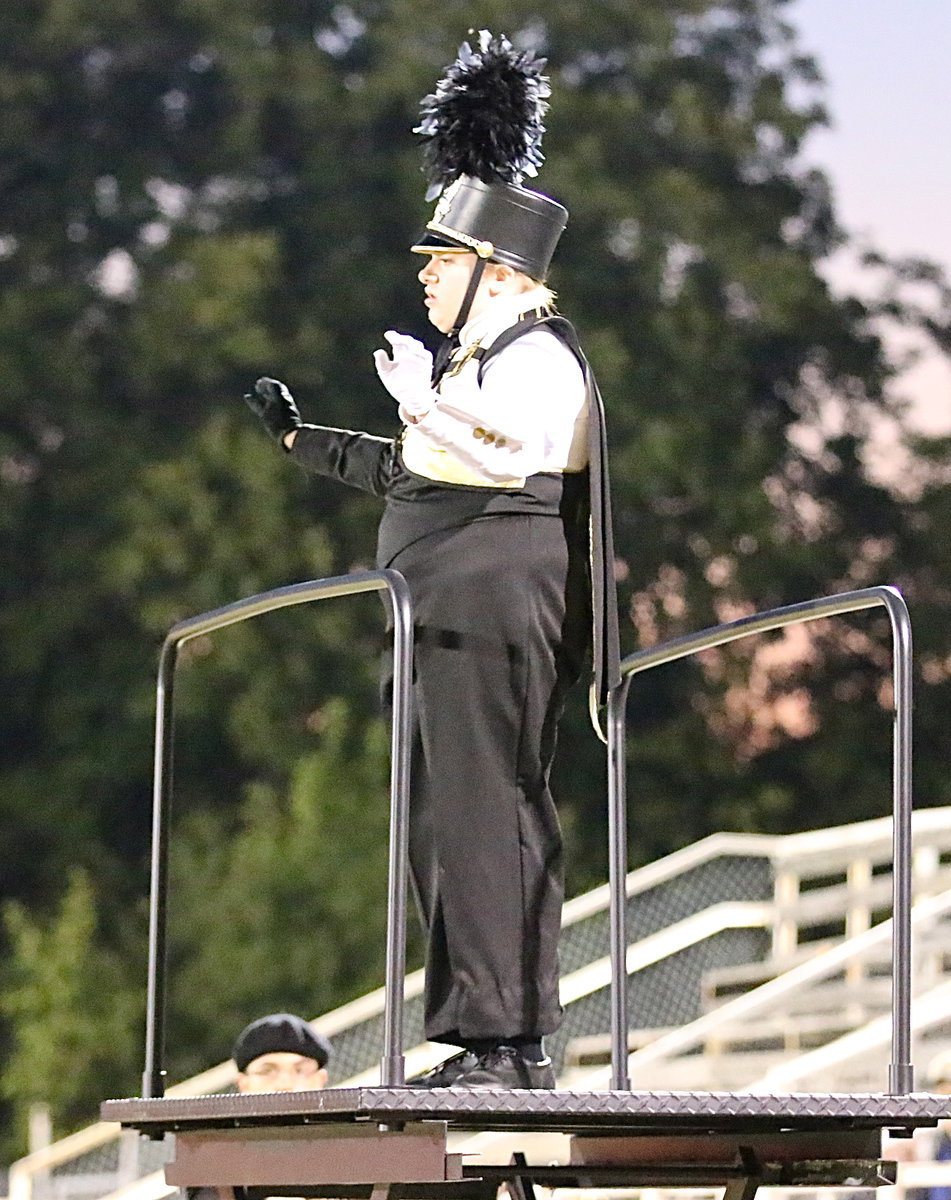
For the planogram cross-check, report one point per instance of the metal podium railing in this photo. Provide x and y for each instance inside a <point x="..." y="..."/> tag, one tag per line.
<point x="900" y="1072"/>
<point x="393" y="583"/>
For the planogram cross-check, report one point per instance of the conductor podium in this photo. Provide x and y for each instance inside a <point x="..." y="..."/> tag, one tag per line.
<point x="391" y="1141"/>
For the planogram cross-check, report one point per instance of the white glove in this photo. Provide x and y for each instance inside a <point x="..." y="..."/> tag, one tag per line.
<point x="406" y="376"/>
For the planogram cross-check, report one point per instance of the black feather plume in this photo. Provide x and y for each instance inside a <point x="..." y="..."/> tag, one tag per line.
<point x="485" y="117"/>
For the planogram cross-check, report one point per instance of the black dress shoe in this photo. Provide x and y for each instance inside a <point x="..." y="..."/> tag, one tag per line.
<point x="505" y="1068"/>
<point x="445" y="1073"/>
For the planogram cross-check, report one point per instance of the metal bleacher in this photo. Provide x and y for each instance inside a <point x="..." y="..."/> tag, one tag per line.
<point x="754" y="963"/>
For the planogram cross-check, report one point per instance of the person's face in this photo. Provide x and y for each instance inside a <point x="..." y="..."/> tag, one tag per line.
<point x="282" y="1072"/>
<point x="445" y="276"/>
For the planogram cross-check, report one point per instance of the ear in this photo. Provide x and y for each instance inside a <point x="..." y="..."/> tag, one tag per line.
<point x="500" y="277"/>
<point x="321" y="1080"/>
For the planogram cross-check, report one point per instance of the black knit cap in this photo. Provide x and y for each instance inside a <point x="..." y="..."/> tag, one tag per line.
<point x="276" y="1034"/>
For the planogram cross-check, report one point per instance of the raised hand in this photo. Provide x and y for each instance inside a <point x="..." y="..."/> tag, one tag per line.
<point x="274" y="404"/>
<point x="407" y="375"/>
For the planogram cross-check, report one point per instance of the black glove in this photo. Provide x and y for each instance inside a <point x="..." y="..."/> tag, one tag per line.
<point x="274" y="404"/>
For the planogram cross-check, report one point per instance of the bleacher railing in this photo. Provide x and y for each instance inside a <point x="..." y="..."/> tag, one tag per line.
<point x="819" y="856"/>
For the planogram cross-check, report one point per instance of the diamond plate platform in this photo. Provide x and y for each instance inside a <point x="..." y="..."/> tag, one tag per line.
<point x="390" y="1143"/>
<point x="555" y="1111"/>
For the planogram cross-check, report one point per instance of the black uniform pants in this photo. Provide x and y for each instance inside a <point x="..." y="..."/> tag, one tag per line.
<point x="501" y="617"/>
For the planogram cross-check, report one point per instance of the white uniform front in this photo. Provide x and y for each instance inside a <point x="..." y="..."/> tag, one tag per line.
<point x="529" y="415"/>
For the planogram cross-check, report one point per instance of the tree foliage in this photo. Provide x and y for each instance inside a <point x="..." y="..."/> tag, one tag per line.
<point x="71" y="1003"/>
<point x="203" y="191"/>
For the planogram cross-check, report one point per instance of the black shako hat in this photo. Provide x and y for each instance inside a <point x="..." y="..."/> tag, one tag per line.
<point x="498" y="221"/>
<point x="483" y="130"/>
<point x="276" y="1034"/>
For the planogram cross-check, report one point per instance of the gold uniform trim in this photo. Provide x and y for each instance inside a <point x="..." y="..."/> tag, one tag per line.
<point x="440" y="250"/>
<point x="469" y="243"/>
<point x="424" y="457"/>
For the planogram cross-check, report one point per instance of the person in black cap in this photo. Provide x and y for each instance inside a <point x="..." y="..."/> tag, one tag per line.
<point x="497" y="515"/>
<point x="281" y="1053"/>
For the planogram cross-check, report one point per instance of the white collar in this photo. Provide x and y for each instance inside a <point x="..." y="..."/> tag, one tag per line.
<point x="499" y="314"/>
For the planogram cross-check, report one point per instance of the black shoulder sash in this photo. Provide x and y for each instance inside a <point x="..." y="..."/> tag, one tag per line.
<point x="606" y="640"/>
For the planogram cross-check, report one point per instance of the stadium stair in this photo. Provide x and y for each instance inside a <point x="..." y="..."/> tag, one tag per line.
<point x="755" y="963"/>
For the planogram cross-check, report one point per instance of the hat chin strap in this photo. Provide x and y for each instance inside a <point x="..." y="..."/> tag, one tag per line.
<point x="451" y="340"/>
<point x="474" y="280"/>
